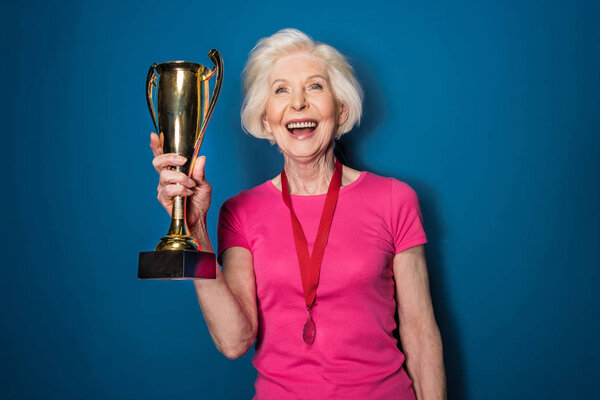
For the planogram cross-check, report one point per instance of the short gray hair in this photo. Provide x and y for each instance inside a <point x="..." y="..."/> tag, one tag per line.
<point x="344" y="84"/>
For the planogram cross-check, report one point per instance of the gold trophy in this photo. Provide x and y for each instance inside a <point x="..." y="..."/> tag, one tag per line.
<point x="183" y="112"/>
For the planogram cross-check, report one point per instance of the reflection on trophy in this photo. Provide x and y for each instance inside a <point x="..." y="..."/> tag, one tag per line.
<point x="182" y="113"/>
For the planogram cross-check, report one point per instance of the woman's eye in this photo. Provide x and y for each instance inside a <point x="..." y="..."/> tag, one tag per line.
<point x="316" y="86"/>
<point x="280" y="90"/>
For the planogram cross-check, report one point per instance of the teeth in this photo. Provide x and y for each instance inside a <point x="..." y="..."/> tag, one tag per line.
<point x="307" y="124"/>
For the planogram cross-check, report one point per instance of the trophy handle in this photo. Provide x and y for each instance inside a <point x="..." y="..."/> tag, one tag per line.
<point x="151" y="81"/>
<point x="218" y="69"/>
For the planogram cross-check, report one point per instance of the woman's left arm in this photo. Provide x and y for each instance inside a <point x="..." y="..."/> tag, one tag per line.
<point x="419" y="333"/>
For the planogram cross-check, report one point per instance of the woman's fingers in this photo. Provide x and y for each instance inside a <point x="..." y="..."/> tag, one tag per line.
<point x="198" y="172"/>
<point x="167" y="192"/>
<point x="171" y="182"/>
<point x="163" y="161"/>
<point x="155" y="144"/>
<point x="168" y="176"/>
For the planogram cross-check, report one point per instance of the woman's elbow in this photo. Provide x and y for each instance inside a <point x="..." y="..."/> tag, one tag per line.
<point x="236" y="348"/>
<point x="233" y="352"/>
<point x="233" y="355"/>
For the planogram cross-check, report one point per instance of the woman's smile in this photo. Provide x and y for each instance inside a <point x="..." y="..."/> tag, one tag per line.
<point x="301" y="111"/>
<point x="302" y="128"/>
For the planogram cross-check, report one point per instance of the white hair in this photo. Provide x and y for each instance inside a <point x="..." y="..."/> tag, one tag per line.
<point x="344" y="85"/>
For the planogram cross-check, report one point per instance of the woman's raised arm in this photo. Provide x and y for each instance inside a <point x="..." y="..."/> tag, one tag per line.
<point x="228" y="303"/>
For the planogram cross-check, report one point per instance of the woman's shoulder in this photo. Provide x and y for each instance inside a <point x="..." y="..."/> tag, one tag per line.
<point x="249" y="197"/>
<point x="389" y="185"/>
<point x="382" y="180"/>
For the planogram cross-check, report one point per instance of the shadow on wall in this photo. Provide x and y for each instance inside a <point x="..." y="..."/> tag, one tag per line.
<point x="375" y="110"/>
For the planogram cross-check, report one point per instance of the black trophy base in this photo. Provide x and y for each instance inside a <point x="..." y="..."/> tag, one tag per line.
<point x="177" y="265"/>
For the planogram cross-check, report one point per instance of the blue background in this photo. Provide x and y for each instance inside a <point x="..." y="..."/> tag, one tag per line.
<point x="490" y="110"/>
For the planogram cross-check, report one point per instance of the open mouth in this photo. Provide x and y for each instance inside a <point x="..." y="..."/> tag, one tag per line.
<point x="301" y="127"/>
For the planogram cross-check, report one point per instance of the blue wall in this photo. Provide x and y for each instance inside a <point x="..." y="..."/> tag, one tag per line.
<point x="490" y="110"/>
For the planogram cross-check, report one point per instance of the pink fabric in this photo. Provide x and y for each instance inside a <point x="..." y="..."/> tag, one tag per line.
<point x="354" y="355"/>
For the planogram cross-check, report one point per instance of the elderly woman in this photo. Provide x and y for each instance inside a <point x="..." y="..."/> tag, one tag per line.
<point x="317" y="260"/>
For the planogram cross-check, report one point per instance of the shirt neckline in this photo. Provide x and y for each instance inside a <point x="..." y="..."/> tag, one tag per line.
<point x="343" y="189"/>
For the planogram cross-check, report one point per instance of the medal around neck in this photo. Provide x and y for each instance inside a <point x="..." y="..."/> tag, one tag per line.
<point x="309" y="331"/>
<point x="310" y="264"/>
<point x="182" y="113"/>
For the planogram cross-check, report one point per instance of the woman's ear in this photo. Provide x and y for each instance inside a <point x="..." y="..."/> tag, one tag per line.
<point x="266" y="124"/>
<point x="343" y="114"/>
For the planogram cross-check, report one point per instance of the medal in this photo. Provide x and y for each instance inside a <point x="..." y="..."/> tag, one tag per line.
<point x="310" y="265"/>
<point x="309" y="330"/>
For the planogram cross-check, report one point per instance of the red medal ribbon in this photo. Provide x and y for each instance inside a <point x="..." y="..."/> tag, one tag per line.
<point x="310" y="266"/>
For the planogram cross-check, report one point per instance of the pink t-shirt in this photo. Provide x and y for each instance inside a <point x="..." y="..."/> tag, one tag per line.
<point x="354" y="355"/>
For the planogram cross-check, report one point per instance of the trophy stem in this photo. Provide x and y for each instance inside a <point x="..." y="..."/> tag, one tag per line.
<point x="178" y="236"/>
<point x="178" y="213"/>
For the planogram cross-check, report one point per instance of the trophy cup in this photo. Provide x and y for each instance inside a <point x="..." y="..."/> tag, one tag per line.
<point x="183" y="112"/>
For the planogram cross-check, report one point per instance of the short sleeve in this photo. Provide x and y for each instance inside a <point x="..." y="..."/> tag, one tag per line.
<point x="407" y="221"/>
<point x="230" y="232"/>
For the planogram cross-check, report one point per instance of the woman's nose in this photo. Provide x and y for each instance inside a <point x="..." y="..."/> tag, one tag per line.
<point x="298" y="102"/>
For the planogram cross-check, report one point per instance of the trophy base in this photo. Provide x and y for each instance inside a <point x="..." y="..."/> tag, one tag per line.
<point x="176" y="242"/>
<point x="177" y="265"/>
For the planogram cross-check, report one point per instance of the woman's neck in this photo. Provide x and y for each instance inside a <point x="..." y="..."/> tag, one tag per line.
<point x="310" y="177"/>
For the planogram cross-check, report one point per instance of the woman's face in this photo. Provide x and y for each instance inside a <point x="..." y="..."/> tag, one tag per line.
<point x="301" y="111"/>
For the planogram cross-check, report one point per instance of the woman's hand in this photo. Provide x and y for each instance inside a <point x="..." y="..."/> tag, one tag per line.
<point x="173" y="183"/>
